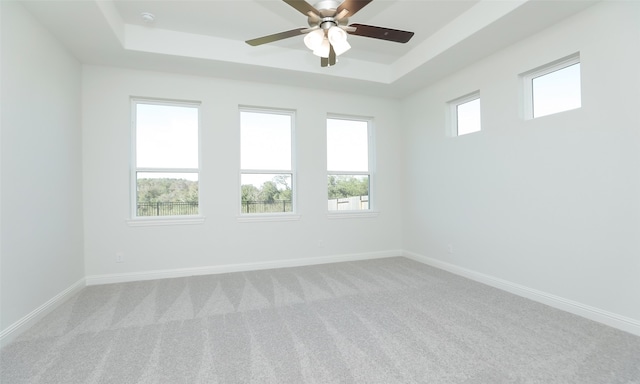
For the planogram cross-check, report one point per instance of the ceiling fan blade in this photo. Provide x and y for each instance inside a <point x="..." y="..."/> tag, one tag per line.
<point x="324" y="61"/>
<point x="275" y="37"/>
<point x="381" y="33"/>
<point x="313" y="18"/>
<point x="352" y="6"/>
<point x="310" y="29"/>
<point x="303" y="7"/>
<point x="332" y="56"/>
<point x="341" y="15"/>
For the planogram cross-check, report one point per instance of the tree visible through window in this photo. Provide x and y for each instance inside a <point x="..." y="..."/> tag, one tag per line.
<point x="348" y="170"/>
<point x="266" y="166"/>
<point x="166" y="158"/>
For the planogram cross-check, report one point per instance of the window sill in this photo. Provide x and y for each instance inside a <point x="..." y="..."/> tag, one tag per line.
<point x="166" y="220"/>
<point x="266" y="218"/>
<point x="353" y="215"/>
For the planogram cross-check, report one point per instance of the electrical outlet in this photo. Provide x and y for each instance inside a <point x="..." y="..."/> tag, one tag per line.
<point x="450" y="248"/>
<point x="119" y="257"/>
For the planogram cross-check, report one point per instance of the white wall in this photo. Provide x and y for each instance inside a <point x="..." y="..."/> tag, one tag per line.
<point x="42" y="246"/>
<point x="222" y="240"/>
<point x="552" y="203"/>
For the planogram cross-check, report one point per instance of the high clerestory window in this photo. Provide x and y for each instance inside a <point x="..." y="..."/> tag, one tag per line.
<point x="465" y="114"/>
<point x="552" y="88"/>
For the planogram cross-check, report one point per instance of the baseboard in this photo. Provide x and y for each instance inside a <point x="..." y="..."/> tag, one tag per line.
<point x="608" y="318"/>
<point x="243" y="267"/>
<point x="16" y="329"/>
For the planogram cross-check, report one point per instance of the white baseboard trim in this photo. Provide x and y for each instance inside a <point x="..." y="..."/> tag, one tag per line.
<point x="16" y="329"/>
<point x="216" y="269"/>
<point x="608" y="318"/>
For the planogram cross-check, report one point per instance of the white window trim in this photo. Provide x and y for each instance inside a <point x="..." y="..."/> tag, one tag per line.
<point x="269" y="217"/>
<point x="142" y="221"/>
<point x="372" y="211"/>
<point x="528" y="77"/>
<point x="453" y="112"/>
<point x="165" y="221"/>
<point x="334" y="215"/>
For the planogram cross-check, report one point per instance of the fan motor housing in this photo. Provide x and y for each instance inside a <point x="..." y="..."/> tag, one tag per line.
<point x="327" y="5"/>
<point x="327" y="9"/>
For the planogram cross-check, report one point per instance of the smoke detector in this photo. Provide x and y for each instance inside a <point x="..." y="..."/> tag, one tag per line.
<point x="148" y="17"/>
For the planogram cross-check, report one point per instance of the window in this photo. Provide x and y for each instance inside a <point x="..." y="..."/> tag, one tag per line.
<point x="348" y="164"/>
<point x="166" y="167"/>
<point x="552" y="88"/>
<point x="266" y="161"/>
<point x="465" y="114"/>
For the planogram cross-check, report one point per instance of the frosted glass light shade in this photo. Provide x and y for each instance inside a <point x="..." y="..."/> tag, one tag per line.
<point x="314" y="39"/>
<point x="336" y="35"/>
<point x="342" y="47"/>
<point x="323" y="49"/>
<point x="338" y="39"/>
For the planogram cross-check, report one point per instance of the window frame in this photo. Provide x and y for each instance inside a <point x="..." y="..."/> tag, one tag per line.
<point x="543" y="70"/>
<point x="371" y="165"/>
<point x="136" y="220"/>
<point x="271" y="216"/>
<point x="453" y="112"/>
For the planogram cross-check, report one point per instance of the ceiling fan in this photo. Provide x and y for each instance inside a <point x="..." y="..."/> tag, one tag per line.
<point x="328" y="29"/>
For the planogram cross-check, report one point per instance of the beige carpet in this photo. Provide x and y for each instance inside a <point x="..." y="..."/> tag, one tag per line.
<point x="379" y="321"/>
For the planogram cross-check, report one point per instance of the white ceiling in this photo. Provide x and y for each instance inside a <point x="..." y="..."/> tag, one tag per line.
<point x="206" y="37"/>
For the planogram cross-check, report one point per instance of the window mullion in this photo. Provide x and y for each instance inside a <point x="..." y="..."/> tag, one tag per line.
<point x="346" y="173"/>
<point x="168" y="170"/>
<point x="266" y="171"/>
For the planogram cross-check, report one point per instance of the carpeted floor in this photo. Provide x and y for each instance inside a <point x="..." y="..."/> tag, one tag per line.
<point x="378" y="321"/>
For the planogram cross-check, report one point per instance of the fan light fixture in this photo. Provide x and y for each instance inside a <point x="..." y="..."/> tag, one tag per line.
<point x="328" y="28"/>
<point x="320" y="42"/>
<point x="338" y="39"/>
<point x="313" y="39"/>
<point x="323" y="49"/>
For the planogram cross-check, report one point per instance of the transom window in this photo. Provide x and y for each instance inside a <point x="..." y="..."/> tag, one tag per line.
<point x="552" y="88"/>
<point x="166" y="167"/>
<point x="348" y="164"/>
<point x="266" y="161"/>
<point x="465" y="114"/>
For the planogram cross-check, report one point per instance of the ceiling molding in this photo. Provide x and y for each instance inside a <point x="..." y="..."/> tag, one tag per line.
<point x="98" y="33"/>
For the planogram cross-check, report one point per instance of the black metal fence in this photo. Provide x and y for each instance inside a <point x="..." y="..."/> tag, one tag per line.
<point x="167" y="208"/>
<point x="267" y="206"/>
<point x="191" y="208"/>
